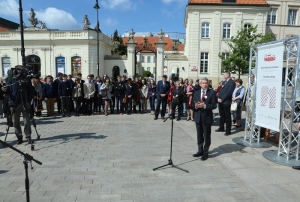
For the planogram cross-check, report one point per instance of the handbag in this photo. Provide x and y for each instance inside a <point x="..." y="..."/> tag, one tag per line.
<point x="233" y="106"/>
<point x="103" y="93"/>
<point x="124" y="100"/>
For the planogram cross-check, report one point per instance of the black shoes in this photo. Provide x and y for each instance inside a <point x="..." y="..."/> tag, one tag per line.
<point x="226" y="134"/>
<point x="20" y="140"/>
<point x="220" y="130"/>
<point x="177" y="119"/>
<point x="204" y="157"/>
<point x="155" y="118"/>
<point x="296" y="167"/>
<point x="198" y="154"/>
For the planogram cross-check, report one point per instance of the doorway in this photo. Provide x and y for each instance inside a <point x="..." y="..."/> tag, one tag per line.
<point x="115" y="72"/>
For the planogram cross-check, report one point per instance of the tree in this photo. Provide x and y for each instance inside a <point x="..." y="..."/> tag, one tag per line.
<point x="236" y="59"/>
<point x="122" y="48"/>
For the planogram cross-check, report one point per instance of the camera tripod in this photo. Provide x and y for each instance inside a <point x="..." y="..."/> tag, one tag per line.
<point x="170" y="163"/>
<point x="27" y="159"/>
<point x="25" y="111"/>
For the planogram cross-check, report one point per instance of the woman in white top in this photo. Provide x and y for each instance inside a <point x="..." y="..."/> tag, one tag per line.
<point x="144" y="95"/>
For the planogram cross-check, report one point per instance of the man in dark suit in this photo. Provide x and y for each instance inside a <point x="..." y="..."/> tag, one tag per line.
<point x="204" y="101"/>
<point x="162" y="90"/>
<point x="224" y="100"/>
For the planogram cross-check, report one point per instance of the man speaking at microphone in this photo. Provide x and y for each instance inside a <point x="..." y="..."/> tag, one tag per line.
<point x="204" y="102"/>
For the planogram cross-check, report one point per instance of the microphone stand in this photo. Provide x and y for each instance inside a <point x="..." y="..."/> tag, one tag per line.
<point x="170" y="160"/>
<point x="27" y="159"/>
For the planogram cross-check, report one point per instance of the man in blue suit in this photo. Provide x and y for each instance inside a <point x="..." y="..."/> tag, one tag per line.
<point x="162" y="90"/>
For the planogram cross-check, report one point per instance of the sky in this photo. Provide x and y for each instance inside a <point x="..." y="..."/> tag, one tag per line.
<point x="121" y="15"/>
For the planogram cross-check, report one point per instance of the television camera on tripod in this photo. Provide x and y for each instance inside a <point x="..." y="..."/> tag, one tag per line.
<point x="20" y="93"/>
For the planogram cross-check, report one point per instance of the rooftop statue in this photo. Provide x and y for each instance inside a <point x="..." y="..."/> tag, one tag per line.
<point x="86" y="22"/>
<point x="33" y="21"/>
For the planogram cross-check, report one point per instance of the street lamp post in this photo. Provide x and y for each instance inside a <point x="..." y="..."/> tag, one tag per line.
<point x="97" y="7"/>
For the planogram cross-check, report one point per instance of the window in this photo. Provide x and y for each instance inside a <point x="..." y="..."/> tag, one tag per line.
<point x="149" y="59"/>
<point x="143" y="59"/>
<point x="154" y="59"/>
<point x="60" y="65"/>
<point x="205" y="30"/>
<point x="76" y="65"/>
<point x="272" y="16"/>
<point x="226" y="30"/>
<point x="292" y="17"/>
<point x="247" y="25"/>
<point x="148" y="69"/>
<point x="5" y="65"/>
<point x="204" y="63"/>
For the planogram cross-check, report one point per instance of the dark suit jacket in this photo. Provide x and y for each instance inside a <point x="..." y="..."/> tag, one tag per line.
<point x="179" y="93"/>
<point x="211" y="103"/>
<point x="226" y="91"/>
<point x="160" y="89"/>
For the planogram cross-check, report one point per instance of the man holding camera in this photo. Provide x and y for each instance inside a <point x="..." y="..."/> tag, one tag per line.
<point x="20" y="94"/>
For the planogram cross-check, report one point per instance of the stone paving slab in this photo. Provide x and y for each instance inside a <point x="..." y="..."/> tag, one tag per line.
<point x="100" y="158"/>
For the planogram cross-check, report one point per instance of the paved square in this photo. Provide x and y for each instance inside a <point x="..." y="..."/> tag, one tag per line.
<point x="100" y="158"/>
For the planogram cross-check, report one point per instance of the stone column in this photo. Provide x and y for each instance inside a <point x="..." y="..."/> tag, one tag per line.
<point x="130" y="58"/>
<point x="160" y="59"/>
<point x="131" y="45"/>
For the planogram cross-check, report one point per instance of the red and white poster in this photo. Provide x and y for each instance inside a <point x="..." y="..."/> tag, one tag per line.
<point x="268" y="87"/>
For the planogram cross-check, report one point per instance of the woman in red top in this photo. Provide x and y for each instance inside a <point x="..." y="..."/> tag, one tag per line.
<point x="172" y="86"/>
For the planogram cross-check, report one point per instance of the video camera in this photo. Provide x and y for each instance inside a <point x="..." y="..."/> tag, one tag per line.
<point x="24" y="74"/>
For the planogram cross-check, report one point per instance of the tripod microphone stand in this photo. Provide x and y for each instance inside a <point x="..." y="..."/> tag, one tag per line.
<point x="170" y="160"/>
<point x="27" y="159"/>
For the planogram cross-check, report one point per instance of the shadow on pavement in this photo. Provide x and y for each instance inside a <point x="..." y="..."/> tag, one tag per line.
<point x="3" y="171"/>
<point x="225" y="149"/>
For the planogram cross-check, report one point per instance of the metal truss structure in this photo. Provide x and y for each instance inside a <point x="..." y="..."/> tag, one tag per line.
<point x="289" y="134"/>
<point x="252" y="132"/>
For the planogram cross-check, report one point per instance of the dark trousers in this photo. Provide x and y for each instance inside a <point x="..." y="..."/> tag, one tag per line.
<point x="137" y="103"/>
<point x="163" y="102"/>
<point x="89" y="103"/>
<point x="203" y="136"/>
<point x="119" y="103"/>
<point x="112" y="105"/>
<point x="58" y="105"/>
<point x="95" y="101"/>
<point x="78" y="105"/>
<point x="97" y="104"/>
<point x="152" y="103"/>
<point x="225" y="116"/>
<point x="129" y="105"/>
<point x="65" y="102"/>
<point x="179" y="109"/>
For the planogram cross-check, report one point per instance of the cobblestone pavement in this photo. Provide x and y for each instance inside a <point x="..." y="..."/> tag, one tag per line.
<point x="111" y="158"/>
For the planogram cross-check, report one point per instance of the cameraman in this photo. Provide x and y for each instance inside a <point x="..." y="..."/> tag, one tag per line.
<point x="17" y="101"/>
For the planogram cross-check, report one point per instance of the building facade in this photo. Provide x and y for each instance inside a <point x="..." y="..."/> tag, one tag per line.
<point x="283" y="18"/>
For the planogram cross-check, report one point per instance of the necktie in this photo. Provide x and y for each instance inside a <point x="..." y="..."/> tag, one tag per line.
<point x="203" y="95"/>
<point x="163" y="84"/>
<point x="176" y="91"/>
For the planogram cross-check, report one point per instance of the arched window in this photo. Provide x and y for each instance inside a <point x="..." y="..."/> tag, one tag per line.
<point x="76" y="65"/>
<point x="60" y="65"/>
<point x="226" y="30"/>
<point x="5" y="65"/>
<point x="205" y="30"/>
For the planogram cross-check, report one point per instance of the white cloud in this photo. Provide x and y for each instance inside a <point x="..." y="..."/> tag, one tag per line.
<point x="53" y="17"/>
<point x="57" y="19"/>
<point x="123" y="4"/>
<point x="9" y="8"/>
<point x="110" y="22"/>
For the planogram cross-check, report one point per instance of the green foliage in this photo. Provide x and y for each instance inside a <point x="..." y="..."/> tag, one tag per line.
<point x="238" y="55"/>
<point x="146" y="74"/>
<point x="122" y="48"/>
